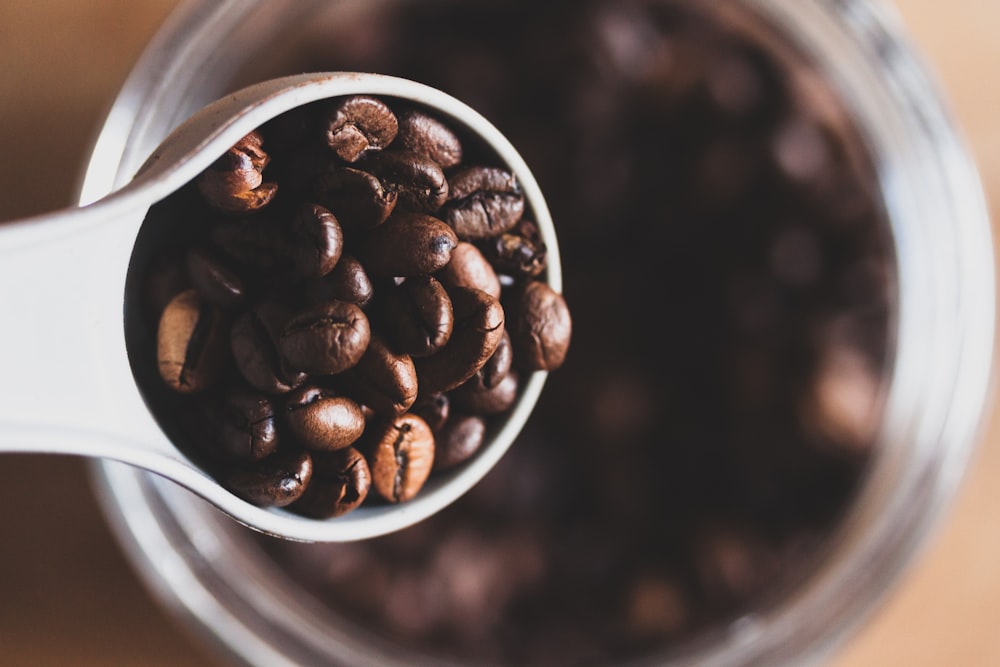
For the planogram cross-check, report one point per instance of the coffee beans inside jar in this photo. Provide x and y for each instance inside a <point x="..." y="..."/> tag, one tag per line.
<point x="729" y="264"/>
<point x="343" y="305"/>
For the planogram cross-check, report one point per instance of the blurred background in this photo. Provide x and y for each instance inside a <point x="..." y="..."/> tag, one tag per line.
<point x="68" y="595"/>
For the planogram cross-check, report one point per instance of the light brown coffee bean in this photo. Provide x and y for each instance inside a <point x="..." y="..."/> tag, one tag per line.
<point x="190" y="343"/>
<point x="402" y="457"/>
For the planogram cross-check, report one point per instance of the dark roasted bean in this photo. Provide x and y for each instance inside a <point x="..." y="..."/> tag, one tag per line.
<point x="359" y="125"/>
<point x="407" y="244"/>
<point x="347" y="282"/>
<point x="254" y="346"/>
<point x="277" y="481"/>
<point x="458" y="441"/>
<point x="242" y="426"/>
<point x="432" y="408"/>
<point x="479" y="326"/>
<point x="483" y="202"/>
<point x="358" y="198"/>
<point x="520" y="252"/>
<point x="427" y="136"/>
<point x="325" y="339"/>
<point x="474" y="397"/>
<point x="235" y="183"/>
<point x="384" y="380"/>
<point x="323" y="420"/>
<point x="313" y="242"/>
<point x="470" y="268"/>
<point x="417" y="315"/>
<point x="419" y="182"/>
<point x="340" y="483"/>
<point x="499" y="364"/>
<point x="216" y="282"/>
<point x="540" y="327"/>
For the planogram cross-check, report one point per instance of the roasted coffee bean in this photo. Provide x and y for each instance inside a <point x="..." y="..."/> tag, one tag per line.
<point x="474" y="397"/>
<point x="347" y="282"/>
<point x="417" y="315"/>
<point x="325" y="339"/>
<point x="401" y="458"/>
<point x="235" y="183"/>
<point x="433" y="409"/>
<point x="190" y="343"/>
<point x="383" y="379"/>
<point x="312" y="243"/>
<point x="483" y="202"/>
<point x="277" y="481"/>
<point x="479" y="326"/>
<point x="499" y="364"/>
<point x="419" y="182"/>
<point x="253" y="342"/>
<point x="242" y="426"/>
<point x="216" y="282"/>
<point x="340" y="483"/>
<point x="427" y="136"/>
<point x="323" y="420"/>
<point x="358" y="125"/>
<point x="358" y="197"/>
<point x="458" y="441"/>
<point x="540" y="327"/>
<point x="521" y="252"/>
<point x="407" y="244"/>
<point x="470" y="268"/>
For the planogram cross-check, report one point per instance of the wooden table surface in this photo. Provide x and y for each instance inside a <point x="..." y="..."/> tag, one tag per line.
<point x="67" y="595"/>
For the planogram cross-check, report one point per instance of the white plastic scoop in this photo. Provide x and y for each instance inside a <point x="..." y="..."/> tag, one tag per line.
<point x="67" y="386"/>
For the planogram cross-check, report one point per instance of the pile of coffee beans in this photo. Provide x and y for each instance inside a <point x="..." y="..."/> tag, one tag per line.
<point x="349" y="299"/>
<point x="730" y="268"/>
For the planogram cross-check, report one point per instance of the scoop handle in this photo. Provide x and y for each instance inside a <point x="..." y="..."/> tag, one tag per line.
<point x="62" y="339"/>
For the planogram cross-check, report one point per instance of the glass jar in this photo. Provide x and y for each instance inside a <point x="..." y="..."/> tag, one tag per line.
<point x="903" y="417"/>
